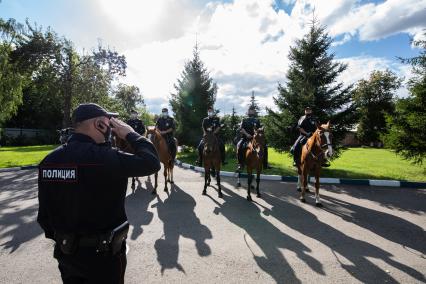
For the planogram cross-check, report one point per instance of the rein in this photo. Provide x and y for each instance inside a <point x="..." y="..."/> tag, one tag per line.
<point x="321" y="147"/>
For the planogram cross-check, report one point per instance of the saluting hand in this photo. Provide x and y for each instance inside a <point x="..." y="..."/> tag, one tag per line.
<point x="120" y="128"/>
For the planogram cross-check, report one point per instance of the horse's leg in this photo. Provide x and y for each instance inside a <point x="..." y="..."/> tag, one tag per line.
<point x="239" y="179"/>
<point x="165" y="178"/>
<point x="257" y="182"/>
<point x="317" y="185"/>
<point x="218" y="179"/>
<point x="299" y="182"/>
<point x="250" y="178"/>
<point x="207" y="169"/>
<point x="206" y="179"/>
<point x="303" y="181"/>
<point x="154" y="191"/>
<point x="171" y="174"/>
<point x="133" y="183"/>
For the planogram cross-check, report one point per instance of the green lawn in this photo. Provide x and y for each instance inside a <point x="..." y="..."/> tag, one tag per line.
<point x="357" y="163"/>
<point x="23" y="156"/>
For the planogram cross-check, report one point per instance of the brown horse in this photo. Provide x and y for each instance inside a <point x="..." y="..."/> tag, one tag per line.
<point x="254" y="160"/>
<point x="212" y="160"/>
<point x="313" y="155"/>
<point x="124" y="146"/>
<point x="165" y="157"/>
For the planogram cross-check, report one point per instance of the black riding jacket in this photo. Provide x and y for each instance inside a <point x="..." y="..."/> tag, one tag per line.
<point x="211" y="122"/>
<point x="164" y="123"/>
<point x="137" y="125"/>
<point x="308" y="123"/>
<point x="82" y="185"/>
<point x="249" y="124"/>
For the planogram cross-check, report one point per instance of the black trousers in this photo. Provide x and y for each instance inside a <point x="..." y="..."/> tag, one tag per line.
<point x="171" y="142"/>
<point x="87" y="266"/>
<point x="297" y="148"/>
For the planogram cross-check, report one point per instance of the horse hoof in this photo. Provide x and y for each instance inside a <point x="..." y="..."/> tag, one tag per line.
<point x="318" y="204"/>
<point x="259" y="195"/>
<point x="249" y="198"/>
<point x="299" y="189"/>
<point x="220" y="195"/>
<point x="204" y="192"/>
<point x="238" y="184"/>
<point x="307" y="190"/>
<point x="154" y="192"/>
<point x="303" y="200"/>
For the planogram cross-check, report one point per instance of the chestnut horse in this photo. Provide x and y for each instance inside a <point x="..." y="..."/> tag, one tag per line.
<point x="124" y="146"/>
<point x="165" y="157"/>
<point x="312" y="157"/>
<point x="212" y="160"/>
<point x="254" y="160"/>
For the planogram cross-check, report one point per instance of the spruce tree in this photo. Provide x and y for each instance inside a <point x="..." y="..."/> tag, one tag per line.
<point x="195" y="92"/>
<point x="407" y="136"/>
<point x="311" y="81"/>
<point x="254" y="103"/>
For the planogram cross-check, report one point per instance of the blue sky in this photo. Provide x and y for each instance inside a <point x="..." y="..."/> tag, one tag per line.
<point x="244" y="43"/>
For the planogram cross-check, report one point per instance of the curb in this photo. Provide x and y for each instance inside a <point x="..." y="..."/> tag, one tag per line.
<point x="18" y="168"/>
<point x="325" y="180"/>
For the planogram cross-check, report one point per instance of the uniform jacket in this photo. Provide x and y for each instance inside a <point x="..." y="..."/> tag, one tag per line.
<point x="82" y="185"/>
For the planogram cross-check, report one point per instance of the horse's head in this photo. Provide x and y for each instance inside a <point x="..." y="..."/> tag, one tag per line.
<point x="258" y="142"/>
<point x="325" y="139"/>
<point x="151" y="133"/>
<point x="210" y="141"/>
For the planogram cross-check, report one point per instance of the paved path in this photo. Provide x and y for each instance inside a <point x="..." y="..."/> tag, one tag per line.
<point x="363" y="234"/>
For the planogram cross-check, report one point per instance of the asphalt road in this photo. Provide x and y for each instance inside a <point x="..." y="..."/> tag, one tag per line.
<point x="363" y="234"/>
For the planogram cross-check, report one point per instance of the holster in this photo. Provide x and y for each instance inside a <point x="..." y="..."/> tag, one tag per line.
<point x="67" y="242"/>
<point x="113" y="241"/>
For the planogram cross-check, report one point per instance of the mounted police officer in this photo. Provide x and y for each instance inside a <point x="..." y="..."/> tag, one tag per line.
<point x="136" y="123"/>
<point x="306" y="126"/>
<point x="81" y="190"/>
<point x="211" y="123"/>
<point x="166" y="125"/>
<point x="247" y="127"/>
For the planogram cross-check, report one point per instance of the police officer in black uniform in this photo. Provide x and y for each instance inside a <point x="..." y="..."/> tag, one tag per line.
<point x="81" y="190"/>
<point x="247" y="127"/>
<point x="211" y="122"/>
<point x="166" y="125"/>
<point x="136" y="123"/>
<point x="306" y="125"/>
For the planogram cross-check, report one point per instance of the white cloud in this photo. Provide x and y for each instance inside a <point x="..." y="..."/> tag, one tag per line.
<point x="245" y="45"/>
<point x="360" y="67"/>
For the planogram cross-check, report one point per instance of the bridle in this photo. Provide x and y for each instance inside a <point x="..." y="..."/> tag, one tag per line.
<point x="255" y="145"/>
<point x="321" y="147"/>
<point x="214" y="147"/>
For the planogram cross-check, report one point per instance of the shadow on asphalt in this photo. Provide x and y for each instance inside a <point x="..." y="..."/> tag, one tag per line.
<point x="406" y="199"/>
<point x="137" y="207"/>
<point x="387" y="226"/>
<point x="357" y="252"/>
<point x="267" y="237"/>
<point x="18" y="223"/>
<point x="179" y="219"/>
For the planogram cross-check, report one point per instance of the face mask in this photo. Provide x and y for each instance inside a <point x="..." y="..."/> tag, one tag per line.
<point x="210" y="114"/>
<point x="165" y="114"/>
